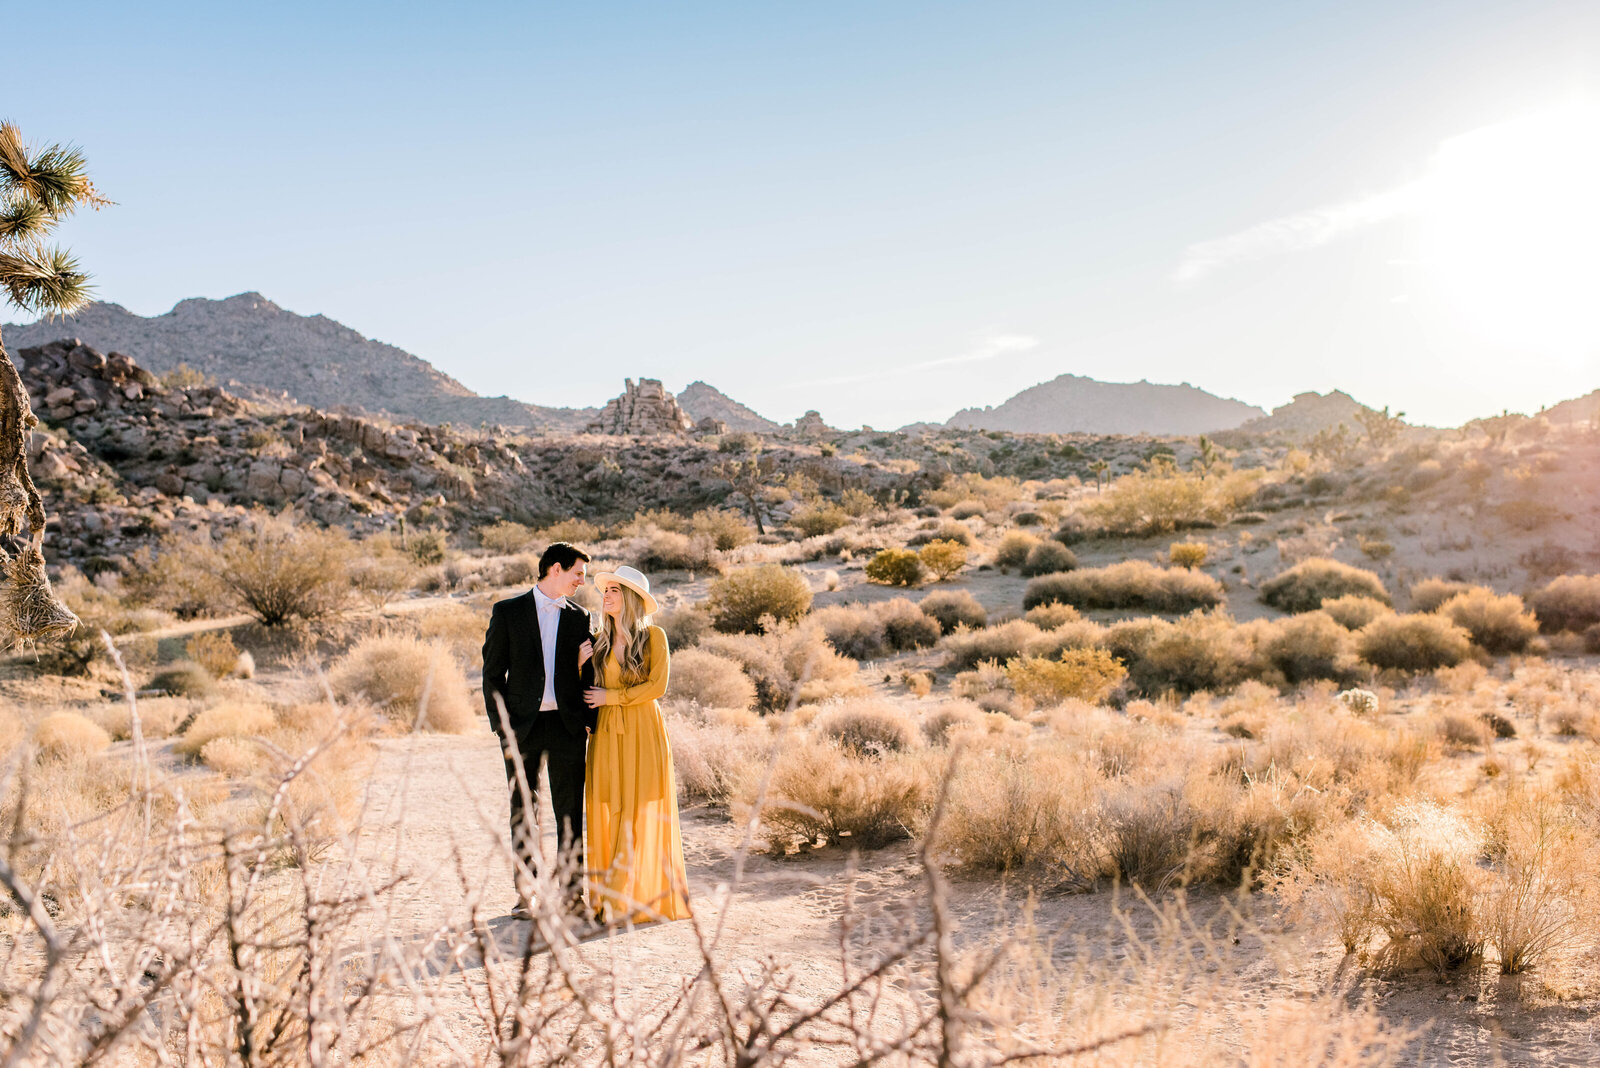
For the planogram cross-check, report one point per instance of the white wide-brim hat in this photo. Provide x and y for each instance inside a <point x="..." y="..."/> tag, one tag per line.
<point x="635" y="580"/>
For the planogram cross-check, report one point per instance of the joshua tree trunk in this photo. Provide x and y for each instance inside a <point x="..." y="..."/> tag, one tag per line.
<point x="19" y="499"/>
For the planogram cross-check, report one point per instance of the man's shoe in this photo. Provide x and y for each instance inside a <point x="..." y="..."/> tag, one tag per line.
<point x="522" y="912"/>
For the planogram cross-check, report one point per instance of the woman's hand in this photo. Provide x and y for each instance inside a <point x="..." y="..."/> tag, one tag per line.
<point x="594" y="696"/>
<point x="585" y="651"/>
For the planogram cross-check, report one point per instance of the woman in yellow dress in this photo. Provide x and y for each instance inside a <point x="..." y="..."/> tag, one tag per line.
<point x="635" y="849"/>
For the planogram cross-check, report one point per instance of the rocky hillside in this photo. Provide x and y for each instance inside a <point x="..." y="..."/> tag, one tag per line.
<point x="1075" y="404"/>
<point x="704" y="401"/>
<point x="1308" y="414"/>
<point x="1584" y="409"/>
<point x="248" y="342"/>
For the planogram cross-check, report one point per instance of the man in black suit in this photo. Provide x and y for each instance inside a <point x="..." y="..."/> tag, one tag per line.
<point x="536" y="663"/>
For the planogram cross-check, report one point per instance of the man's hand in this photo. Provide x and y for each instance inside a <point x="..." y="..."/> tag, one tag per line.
<point x="585" y="651"/>
<point x="594" y="696"/>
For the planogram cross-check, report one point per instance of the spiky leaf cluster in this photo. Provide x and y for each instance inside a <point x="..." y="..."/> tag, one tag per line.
<point x="38" y="188"/>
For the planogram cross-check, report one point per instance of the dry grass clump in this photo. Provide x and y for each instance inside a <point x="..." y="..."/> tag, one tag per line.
<point x="1427" y="886"/>
<point x="214" y="651"/>
<point x="1498" y="624"/>
<point x="715" y="759"/>
<point x="68" y="736"/>
<point x="949" y="718"/>
<point x="1130" y="584"/>
<point x="895" y="567"/>
<point x="231" y="756"/>
<point x="943" y="530"/>
<point x="1200" y="651"/>
<point x="954" y="608"/>
<point x="684" y="626"/>
<point x="1189" y="554"/>
<point x="1430" y="593"/>
<point x="819" y="517"/>
<point x="1150" y="833"/>
<point x="788" y="661"/>
<point x="1014" y="548"/>
<point x="740" y="600"/>
<point x="1310" y="646"/>
<point x="1570" y="602"/>
<point x="868" y="727"/>
<point x="1163" y="499"/>
<point x="1051" y="616"/>
<point x="987" y="685"/>
<point x="1048" y="558"/>
<point x="1006" y="641"/>
<point x="1413" y="642"/>
<point x="668" y="550"/>
<point x="279" y="571"/>
<point x="905" y="625"/>
<point x="710" y="681"/>
<point x="823" y="794"/>
<point x="506" y="537"/>
<point x="1543" y="868"/>
<point x="231" y="719"/>
<point x="380" y="580"/>
<point x="183" y="678"/>
<point x="1303" y="587"/>
<point x="1353" y="611"/>
<point x="459" y="627"/>
<point x="158" y="717"/>
<point x="1078" y="674"/>
<point x="867" y="632"/>
<point x="416" y="683"/>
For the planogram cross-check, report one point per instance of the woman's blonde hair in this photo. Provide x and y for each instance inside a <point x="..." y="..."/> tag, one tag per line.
<point x="634" y="649"/>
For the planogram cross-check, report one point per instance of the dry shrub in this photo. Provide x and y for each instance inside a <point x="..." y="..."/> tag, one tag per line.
<point x="822" y="517"/>
<point x="710" y="681"/>
<point x="1150" y="831"/>
<point x="943" y="558"/>
<point x="1427" y="887"/>
<point x="1251" y="829"/>
<point x="726" y="529"/>
<point x="1026" y="810"/>
<point x="668" y="550"/>
<point x="1353" y="611"/>
<point x="572" y="531"/>
<point x="1005" y="641"/>
<point x="1163" y="499"/>
<point x="1079" y="674"/>
<point x="1200" y="651"/>
<point x="1048" y="558"/>
<point x="214" y="651"/>
<point x="895" y="567"/>
<point x="183" y="678"/>
<point x="954" y="608"/>
<point x="1014" y="548"/>
<point x="1310" y="646"/>
<point x="506" y="537"/>
<point x="988" y="686"/>
<point x="684" y="626"/>
<point x="939" y="725"/>
<point x="1303" y="587"/>
<point x="1130" y="584"/>
<point x="158" y="717"/>
<point x="69" y="737"/>
<point x="1498" y="624"/>
<point x="398" y="673"/>
<point x="905" y="625"/>
<point x="1332" y="879"/>
<point x="1190" y="554"/>
<point x="381" y="580"/>
<point x="1462" y="679"/>
<point x="739" y="601"/>
<point x="947" y="530"/>
<point x="231" y="756"/>
<point x="176" y="578"/>
<point x="869" y="727"/>
<point x="281" y="571"/>
<point x="459" y="628"/>
<point x="1533" y="904"/>
<point x="714" y="760"/>
<point x="1571" y="602"/>
<point x="1462" y="730"/>
<point x="786" y="662"/>
<point x="1051" y="616"/>
<point x="823" y="792"/>
<point x="1430" y="593"/>
<point x="1413" y="642"/>
<point x="854" y="629"/>
<point x="231" y="719"/>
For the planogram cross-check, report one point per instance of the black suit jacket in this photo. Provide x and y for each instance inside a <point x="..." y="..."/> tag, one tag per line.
<point x="513" y="666"/>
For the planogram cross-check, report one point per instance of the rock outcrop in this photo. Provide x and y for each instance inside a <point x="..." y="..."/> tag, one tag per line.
<point x="1307" y="414"/>
<point x="645" y="410"/>
<point x="704" y="401"/>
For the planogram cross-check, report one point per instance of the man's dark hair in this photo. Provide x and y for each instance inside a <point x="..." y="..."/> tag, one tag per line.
<point x="561" y="553"/>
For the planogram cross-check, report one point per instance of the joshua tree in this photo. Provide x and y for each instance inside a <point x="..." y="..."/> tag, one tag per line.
<point x="38" y="188"/>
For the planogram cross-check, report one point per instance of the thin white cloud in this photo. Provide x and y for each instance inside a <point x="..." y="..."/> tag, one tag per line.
<point x="986" y="349"/>
<point x="1292" y="233"/>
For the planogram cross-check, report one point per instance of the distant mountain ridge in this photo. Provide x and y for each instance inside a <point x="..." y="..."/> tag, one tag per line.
<point x="320" y="362"/>
<point x="1075" y="404"/>
<point x="703" y="400"/>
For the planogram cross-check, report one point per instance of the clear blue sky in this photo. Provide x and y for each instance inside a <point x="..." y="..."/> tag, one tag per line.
<point x="884" y="211"/>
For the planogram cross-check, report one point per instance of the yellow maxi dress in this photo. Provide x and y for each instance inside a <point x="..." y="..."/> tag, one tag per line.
<point x="635" y="849"/>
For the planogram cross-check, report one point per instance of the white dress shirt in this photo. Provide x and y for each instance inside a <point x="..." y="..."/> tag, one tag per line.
<point x="549" y="623"/>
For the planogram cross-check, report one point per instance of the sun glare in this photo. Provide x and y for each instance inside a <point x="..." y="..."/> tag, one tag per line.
<point x="1511" y="231"/>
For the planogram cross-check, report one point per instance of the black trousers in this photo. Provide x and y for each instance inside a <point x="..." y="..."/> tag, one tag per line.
<point x="565" y="759"/>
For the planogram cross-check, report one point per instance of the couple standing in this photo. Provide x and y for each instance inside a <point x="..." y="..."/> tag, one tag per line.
<point x="587" y="702"/>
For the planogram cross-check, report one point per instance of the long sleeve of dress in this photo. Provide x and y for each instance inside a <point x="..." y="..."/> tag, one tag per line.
<point x="655" y="685"/>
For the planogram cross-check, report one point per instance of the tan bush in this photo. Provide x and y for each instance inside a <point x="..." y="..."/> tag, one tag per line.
<point x="684" y="627"/>
<point x="1014" y="548"/>
<point x="943" y="530"/>
<point x="1048" y="558"/>
<point x="943" y="558"/>
<point x="738" y="601"/>
<point x="459" y="627"/>
<point x="1079" y="674"/>
<point x="822" y="792"/>
<point x="231" y="719"/>
<point x="1413" y="642"/>
<point x="988" y="686"/>
<point x="183" y="678"/>
<point x="1189" y="554"/>
<point x="709" y="680"/>
<point x="1534" y="901"/>
<point x="1158" y="501"/>
<point x="1003" y="642"/>
<point x="787" y="662"/>
<point x="177" y="578"/>
<point x="1130" y="584"/>
<point x="279" y="571"/>
<point x="1429" y="594"/>
<point x="1150" y="831"/>
<point x="895" y="567"/>
<point x="231" y="756"/>
<point x="726" y="529"/>
<point x="905" y="625"/>
<point x="1498" y="624"/>
<point x="1352" y="611"/>
<point x="1303" y="587"/>
<point x="414" y="682"/>
<point x="1028" y="810"/>
<point x="1310" y="646"/>
<point x="158" y="717"/>
<point x="1051" y="616"/>
<point x="668" y="550"/>
<point x="939" y="725"/>
<point x="869" y="727"/>
<point x="714" y="761"/>
<point x="822" y="517"/>
<point x="1427" y="887"/>
<point x="69" y="737"/>
<point x="856" y="630"/>
<point x="213" y="650"/>
<point x="1570" y="602"/>
<point x="381" y="580"/>
<point x="572" y="531"/>
<point x="953" y="608"/>
<point x="506" y="537"/>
